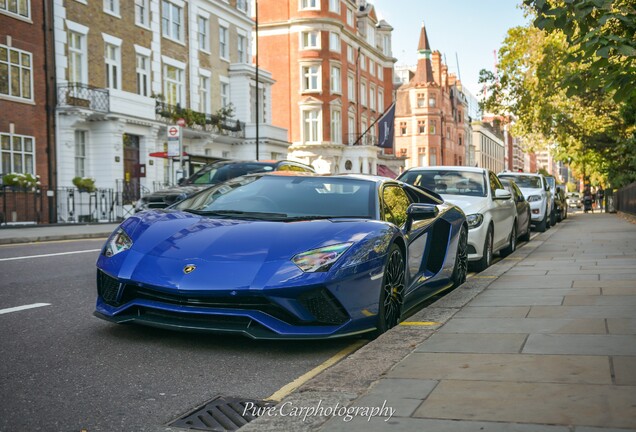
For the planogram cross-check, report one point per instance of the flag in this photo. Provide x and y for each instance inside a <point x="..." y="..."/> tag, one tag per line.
<point x="386" y="128"/>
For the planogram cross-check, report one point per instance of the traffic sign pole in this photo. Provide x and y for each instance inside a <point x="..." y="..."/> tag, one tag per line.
<point x="181" y="123"/>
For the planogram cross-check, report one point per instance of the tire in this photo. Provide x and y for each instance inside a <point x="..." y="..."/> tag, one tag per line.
<point x="486" y="258"/>
<point x="526" y="237"/>
<point x="542" y="226"/>
<point x="391" y="294"/>
<point x="461" y="259"/>
<point x="512" y="244"/>
<point x="553" y="218"/>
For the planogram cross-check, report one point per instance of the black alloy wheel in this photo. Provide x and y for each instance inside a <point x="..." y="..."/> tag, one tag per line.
<point x="391" y="296"/>
<point x="543" y="225"/>
<point x="461" y="258"/>
<point x="486" y="258"/>
<point x="526" y="236"/>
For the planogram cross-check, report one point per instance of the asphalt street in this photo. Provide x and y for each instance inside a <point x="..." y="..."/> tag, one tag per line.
<point x="63" y="369"/>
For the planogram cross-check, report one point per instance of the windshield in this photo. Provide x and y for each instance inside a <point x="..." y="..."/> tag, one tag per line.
<point x="285" y="197"/>
<point x="448" y="182"/>
<point x="220" y="172"/>
<point x="551" y="181"/>
<point x="524" y="181"/>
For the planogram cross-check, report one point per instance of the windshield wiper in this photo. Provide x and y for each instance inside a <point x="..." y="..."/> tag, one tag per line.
<point x="237" y="213"/>
<point x="318" y="217"/>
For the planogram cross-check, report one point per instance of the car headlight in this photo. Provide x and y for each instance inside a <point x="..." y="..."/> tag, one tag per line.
<point x="474" y="220"/>
<point x="321" y="259"/>
<point x="118" y="242"/>
<point x="534" y="198"/>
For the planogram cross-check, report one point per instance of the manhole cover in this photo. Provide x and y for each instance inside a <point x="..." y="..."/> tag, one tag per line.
<point x="221" y="414"/>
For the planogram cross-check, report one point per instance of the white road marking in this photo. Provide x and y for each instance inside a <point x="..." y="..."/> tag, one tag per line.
<point x="49" y="255"/>
<point x="19" y="308"/>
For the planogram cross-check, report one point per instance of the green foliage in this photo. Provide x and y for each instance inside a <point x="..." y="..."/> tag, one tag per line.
<point x="84" y="184"/>
<point x="563" y="94"/>
<point x="21" y="180"/>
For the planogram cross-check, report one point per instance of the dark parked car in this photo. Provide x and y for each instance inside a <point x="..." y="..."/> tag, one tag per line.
<point x="211" y="174"/>
<point x="523" y="209"/>
<point x="560" y="203"/>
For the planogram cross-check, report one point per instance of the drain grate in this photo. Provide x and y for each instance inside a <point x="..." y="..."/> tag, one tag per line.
<point x="221" y="414"/>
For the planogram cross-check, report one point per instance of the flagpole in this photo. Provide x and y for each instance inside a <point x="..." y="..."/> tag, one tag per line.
<point x="374" y="123"/>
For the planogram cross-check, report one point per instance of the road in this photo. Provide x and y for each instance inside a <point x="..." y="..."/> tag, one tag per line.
<point x="63" y="369"/>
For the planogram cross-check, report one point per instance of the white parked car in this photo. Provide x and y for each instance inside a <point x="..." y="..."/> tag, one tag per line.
<point x="489" y="207"/>
<point x="537" y="191"/>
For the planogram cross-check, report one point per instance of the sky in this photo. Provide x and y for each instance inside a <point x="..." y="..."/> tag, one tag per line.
<point x="464" y="31"/>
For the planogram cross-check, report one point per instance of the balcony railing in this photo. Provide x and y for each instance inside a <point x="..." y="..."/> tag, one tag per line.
<point x="366" y="139"/>
<point x="199" y="121"/>
<point x="83" y="96"/>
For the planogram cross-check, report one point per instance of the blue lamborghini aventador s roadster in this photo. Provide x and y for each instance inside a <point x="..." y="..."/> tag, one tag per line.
<point x="284" y="255"/>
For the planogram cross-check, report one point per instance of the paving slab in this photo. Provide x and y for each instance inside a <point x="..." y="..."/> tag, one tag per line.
<point x="505" y="367"/>
<point x="618" y="345"/>
<point x="524" y="325"/>
<point x="618" y="311"/>
<point x="624" y="370"/>
<point x="473" y="343"/>
<point x="405" y="395"/>
<point x="619" y="276"/>
<point x="599" y="300"/>
<point x="493" y="312"/>
<point x="618" y="290"/>
<point x="540" y="292"/>
<point x="621" y="326"/>
<point x="521" y="300"/>
<point x="617" y="283"/>
<point x="560" y="404"/>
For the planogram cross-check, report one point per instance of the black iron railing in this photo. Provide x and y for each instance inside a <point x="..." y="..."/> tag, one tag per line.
<point x="83" y="96"/>
<point x="625" y="199"/>
<point x="169" y="114"/>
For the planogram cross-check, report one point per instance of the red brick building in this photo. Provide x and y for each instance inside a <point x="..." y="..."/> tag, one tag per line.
<point x="333" y="67"/>
<point x="431" y="118"/>
<point x="26" y="90"/>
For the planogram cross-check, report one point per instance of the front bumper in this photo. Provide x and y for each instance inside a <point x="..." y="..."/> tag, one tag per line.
<point x="476" y="239"/>
<point x="537" y="212"/>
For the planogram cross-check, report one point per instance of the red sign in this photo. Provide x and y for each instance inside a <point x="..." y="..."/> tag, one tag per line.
<point x="181" y="122"/>
<point x="173" y="131"/>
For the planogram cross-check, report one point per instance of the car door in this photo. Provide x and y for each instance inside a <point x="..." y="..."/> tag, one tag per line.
<point x="523" y="208"/>
<point x="503" y="213"/>
<point x="395" y="202"/>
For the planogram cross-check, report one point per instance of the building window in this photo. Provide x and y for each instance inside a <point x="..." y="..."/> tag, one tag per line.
<point x="386" y="45"/>
<point x="80" y="153"/>
<point x="202" y="26"/>
<point x="225" y="94"/>
<point x="241" y="5"/>
<point x="311" y="78"/>
<point x="363" y="93"/>
<point x="311" y="125"/>
<point x="18" y="153"/>
<point x="110" y="6"/>
<point x="448" y="133"/>
<point x="16" y="73"/>
<point x="421" y="126"/>
<point x="336" y="126"/>
<point x="261" y="104"/>
<point x="310" y="4"/>
<point x="334" y="41"/>
<point x="403" y="128"/>
<point x="432" y="127"/>
<point x="380" y="100"/>
<point x="77" y="72"/>
<point x="335" y="80"/>
<point x="204" y="94"/>
<point x="334" y="6"/>
<point x="351" y="88"/>
<point x="460" y="141"/>
<point x="223" y="43"/>
<point x="380" y="72"/>
<point x="363" y="63"/>
<point x="143" y="75"/>
<point x="432" y="101"/>
<point x="421" y="100"/>
<point x="142" y="13"/>
<point x="174" y="85"/>
<point x="21" y="8"/>
<point x="351" y="124"/>
<point x="171" y="21"/>
<point x="349" y="17"/>
<point x="242" y="49"/>
<point x="311" y="40"/>
<point x="371" y="68"/>
<point x="372" y="97"/>
<point x="432" y="159"/>
<point x="113" y="60"/>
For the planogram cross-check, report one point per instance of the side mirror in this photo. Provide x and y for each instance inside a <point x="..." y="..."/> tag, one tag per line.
<point x="420" y="211"/>
<point x="502" y="194"/>
<point x="558" y="189"/>
<point x="182" y="181"/>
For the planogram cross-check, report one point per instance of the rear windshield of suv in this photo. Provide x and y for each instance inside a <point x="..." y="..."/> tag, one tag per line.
<point x="529" y="182"/>
<point x="449" y="182"/>
<point x="217" y="173"/>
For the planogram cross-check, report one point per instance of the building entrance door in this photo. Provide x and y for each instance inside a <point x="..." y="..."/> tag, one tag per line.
<point x="131" y="186"/>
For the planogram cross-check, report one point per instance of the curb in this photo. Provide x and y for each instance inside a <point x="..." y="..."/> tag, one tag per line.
<point x="351" y="378"/>
<point x="57" y="237"/>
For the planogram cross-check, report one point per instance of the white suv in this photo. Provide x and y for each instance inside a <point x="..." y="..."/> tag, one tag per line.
<point x="490" y="210"/>
<point x="537" y="192"/>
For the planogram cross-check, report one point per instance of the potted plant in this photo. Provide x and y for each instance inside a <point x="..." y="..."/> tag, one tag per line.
<point x="84" y="184"/>
<point x="21" y="181"/>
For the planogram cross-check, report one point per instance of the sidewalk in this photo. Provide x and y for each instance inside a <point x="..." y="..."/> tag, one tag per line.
<point x="40" y="233"/>
<point x="544" y="340"/>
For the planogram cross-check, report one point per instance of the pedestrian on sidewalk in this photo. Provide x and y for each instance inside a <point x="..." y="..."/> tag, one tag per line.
<point x="588" y="200"/>
<point x="600" y="195"/>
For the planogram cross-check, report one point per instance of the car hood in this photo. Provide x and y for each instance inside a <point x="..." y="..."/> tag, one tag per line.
<point x="530" y="191"/>
<point x="469" y="204"/>
<point x="228" y="254"/>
